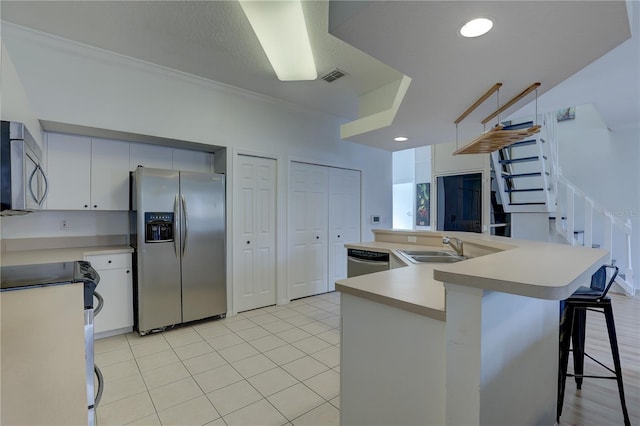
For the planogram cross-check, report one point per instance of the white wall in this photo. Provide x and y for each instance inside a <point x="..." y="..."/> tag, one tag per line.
<point x="404" y="190"/>
<point x="604" y="164"/>
<point x="72" y="83"/>
<point x="410" y="167"/>
<point x="44" y="223"/>
<point x="14" y="105"/>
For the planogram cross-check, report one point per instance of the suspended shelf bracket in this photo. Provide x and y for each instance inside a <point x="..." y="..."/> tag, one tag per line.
<point x="496" y="138"/>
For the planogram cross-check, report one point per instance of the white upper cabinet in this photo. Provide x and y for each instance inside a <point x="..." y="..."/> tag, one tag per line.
<point x="109" y="175"/>
<point x="152" y="156"/>
<point x="86" y="173"/>
<point x="69" y="172"/>
<point x="93" y="174"/>
<point x="192" y="161"/>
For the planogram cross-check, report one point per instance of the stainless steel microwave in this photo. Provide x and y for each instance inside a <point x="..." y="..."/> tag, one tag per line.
<point x="23" y="183"/>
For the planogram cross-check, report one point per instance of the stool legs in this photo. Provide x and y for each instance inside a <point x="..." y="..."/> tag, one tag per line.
<point x="566" y="326"/>
<point x="573" y="330"/>
<point x="578" y="334"/>
<point x="613" y="341"/>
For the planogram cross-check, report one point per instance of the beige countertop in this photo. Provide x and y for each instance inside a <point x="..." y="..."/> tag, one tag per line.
<point x="527" y="268"/>
<point x="411" y="288"/>
<point x="52" y="255"/>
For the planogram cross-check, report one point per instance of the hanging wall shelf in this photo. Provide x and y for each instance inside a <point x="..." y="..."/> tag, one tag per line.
<point x="496" y="138"/>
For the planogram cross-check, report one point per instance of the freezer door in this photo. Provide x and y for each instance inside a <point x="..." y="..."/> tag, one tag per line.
<point x="158" y="295"/>
<point x="203" y="245"/>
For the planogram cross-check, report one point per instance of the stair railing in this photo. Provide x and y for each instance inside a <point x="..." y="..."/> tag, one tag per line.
<point x="570" y="198"/>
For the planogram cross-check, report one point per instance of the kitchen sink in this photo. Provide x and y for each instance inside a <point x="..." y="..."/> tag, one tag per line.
<point x="433" y="256"/>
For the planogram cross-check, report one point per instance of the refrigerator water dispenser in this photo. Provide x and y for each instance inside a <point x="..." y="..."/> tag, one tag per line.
<point x="158" y="227"/>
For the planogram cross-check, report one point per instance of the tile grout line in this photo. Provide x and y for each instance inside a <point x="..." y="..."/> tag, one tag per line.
<point x="259" y="351"/>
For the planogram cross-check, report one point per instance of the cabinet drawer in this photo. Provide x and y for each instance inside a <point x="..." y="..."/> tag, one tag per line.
<point x="110" y="261"/>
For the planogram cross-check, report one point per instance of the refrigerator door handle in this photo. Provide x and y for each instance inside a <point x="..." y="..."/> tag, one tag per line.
<point x="175" y="227"/>
<point x="186" y="224"/>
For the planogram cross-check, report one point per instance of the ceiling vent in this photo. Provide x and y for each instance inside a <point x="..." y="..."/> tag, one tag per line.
<point x="332" y="76"/>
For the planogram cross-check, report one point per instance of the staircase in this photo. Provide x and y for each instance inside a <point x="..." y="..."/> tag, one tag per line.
<point x="525" y="171"/>
<point x="528" y="180"/>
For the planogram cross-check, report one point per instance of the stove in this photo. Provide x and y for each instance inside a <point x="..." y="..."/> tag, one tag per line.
<point x="46" y="274"/>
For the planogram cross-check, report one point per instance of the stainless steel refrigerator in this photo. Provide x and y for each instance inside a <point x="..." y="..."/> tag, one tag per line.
<point x="178" y="231"/>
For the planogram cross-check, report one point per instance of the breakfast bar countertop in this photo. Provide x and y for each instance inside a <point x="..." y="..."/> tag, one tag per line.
<point x="527" y="268"/>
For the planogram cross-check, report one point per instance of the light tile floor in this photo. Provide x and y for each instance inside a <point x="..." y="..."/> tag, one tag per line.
<point x="278" y="365"/>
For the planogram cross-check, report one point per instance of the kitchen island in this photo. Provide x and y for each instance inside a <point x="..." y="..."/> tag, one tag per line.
<point x="473" y="342"/>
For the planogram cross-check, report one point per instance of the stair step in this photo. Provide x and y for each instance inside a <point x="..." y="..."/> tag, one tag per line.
<point x="520" y="160"/>
<point x="522" y="143"/>
<point x="519" y="175"/>
<point x="527" y="204"/>
<point x="524" y="190"/>
<point x="524" y="125"/>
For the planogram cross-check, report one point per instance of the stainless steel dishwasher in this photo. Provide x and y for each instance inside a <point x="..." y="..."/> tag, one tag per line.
<point x="361" y="262"/>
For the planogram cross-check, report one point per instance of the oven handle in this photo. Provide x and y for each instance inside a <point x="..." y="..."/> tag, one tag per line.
<point x="100" y="385"/>
<point x="98" y="308"/>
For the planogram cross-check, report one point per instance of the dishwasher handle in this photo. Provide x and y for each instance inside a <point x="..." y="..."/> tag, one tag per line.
<point x="367" y="261"/>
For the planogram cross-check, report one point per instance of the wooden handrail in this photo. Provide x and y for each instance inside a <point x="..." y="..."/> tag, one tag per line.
<point x="515" y="99"/>
<point x="478" y="102"/>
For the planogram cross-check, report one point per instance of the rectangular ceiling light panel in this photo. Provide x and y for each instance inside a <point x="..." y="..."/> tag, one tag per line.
<point x="282" y="32"/>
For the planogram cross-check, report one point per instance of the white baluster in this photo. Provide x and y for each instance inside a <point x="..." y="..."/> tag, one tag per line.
<point x="628" y="273"/>
<point x="608" y="234"/>
<point x="588" y="222"/>
<point x="570" y="215"/>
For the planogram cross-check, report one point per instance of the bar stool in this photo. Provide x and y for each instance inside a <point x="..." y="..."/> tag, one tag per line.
<point x="573" y="329"/>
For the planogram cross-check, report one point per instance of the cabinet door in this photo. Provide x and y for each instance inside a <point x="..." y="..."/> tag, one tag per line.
<point x="255" y="250"/>
<point x="152" y="156"/>
<point x="344" y="220"/>
<point x="308" y="226"/>
<point x="192" y="161"/>
<point x="109" y="175"/>
<point x="69" y="172"/>
<point x="116" y="289"/>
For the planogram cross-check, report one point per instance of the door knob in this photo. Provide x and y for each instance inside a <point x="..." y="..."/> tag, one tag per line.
<point x="317" y="237"/>
<point x="338" y="235"/>
<point x="248" y="242"/>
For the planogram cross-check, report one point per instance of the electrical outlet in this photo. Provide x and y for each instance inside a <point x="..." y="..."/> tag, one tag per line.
<point x="412" y="239"/>
<point x="64" y="225"/>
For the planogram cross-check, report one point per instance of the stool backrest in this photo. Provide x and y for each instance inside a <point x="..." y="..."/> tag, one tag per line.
<point x="599" y="279"/>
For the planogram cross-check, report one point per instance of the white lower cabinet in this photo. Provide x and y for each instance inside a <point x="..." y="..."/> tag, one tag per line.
<point x="116" y="288"/>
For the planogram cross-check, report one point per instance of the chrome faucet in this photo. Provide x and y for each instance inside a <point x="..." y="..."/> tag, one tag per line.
<point x="457" y="245"/>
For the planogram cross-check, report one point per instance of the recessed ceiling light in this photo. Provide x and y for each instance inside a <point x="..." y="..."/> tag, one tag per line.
<point x="400" y="139"/>
<point x="476" y="27"/>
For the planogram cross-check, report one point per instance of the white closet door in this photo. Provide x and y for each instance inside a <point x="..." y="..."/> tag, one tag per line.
<point x="308" y="228"/>
<point x="344" y="220"/>
<point x="255" y="247"/>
